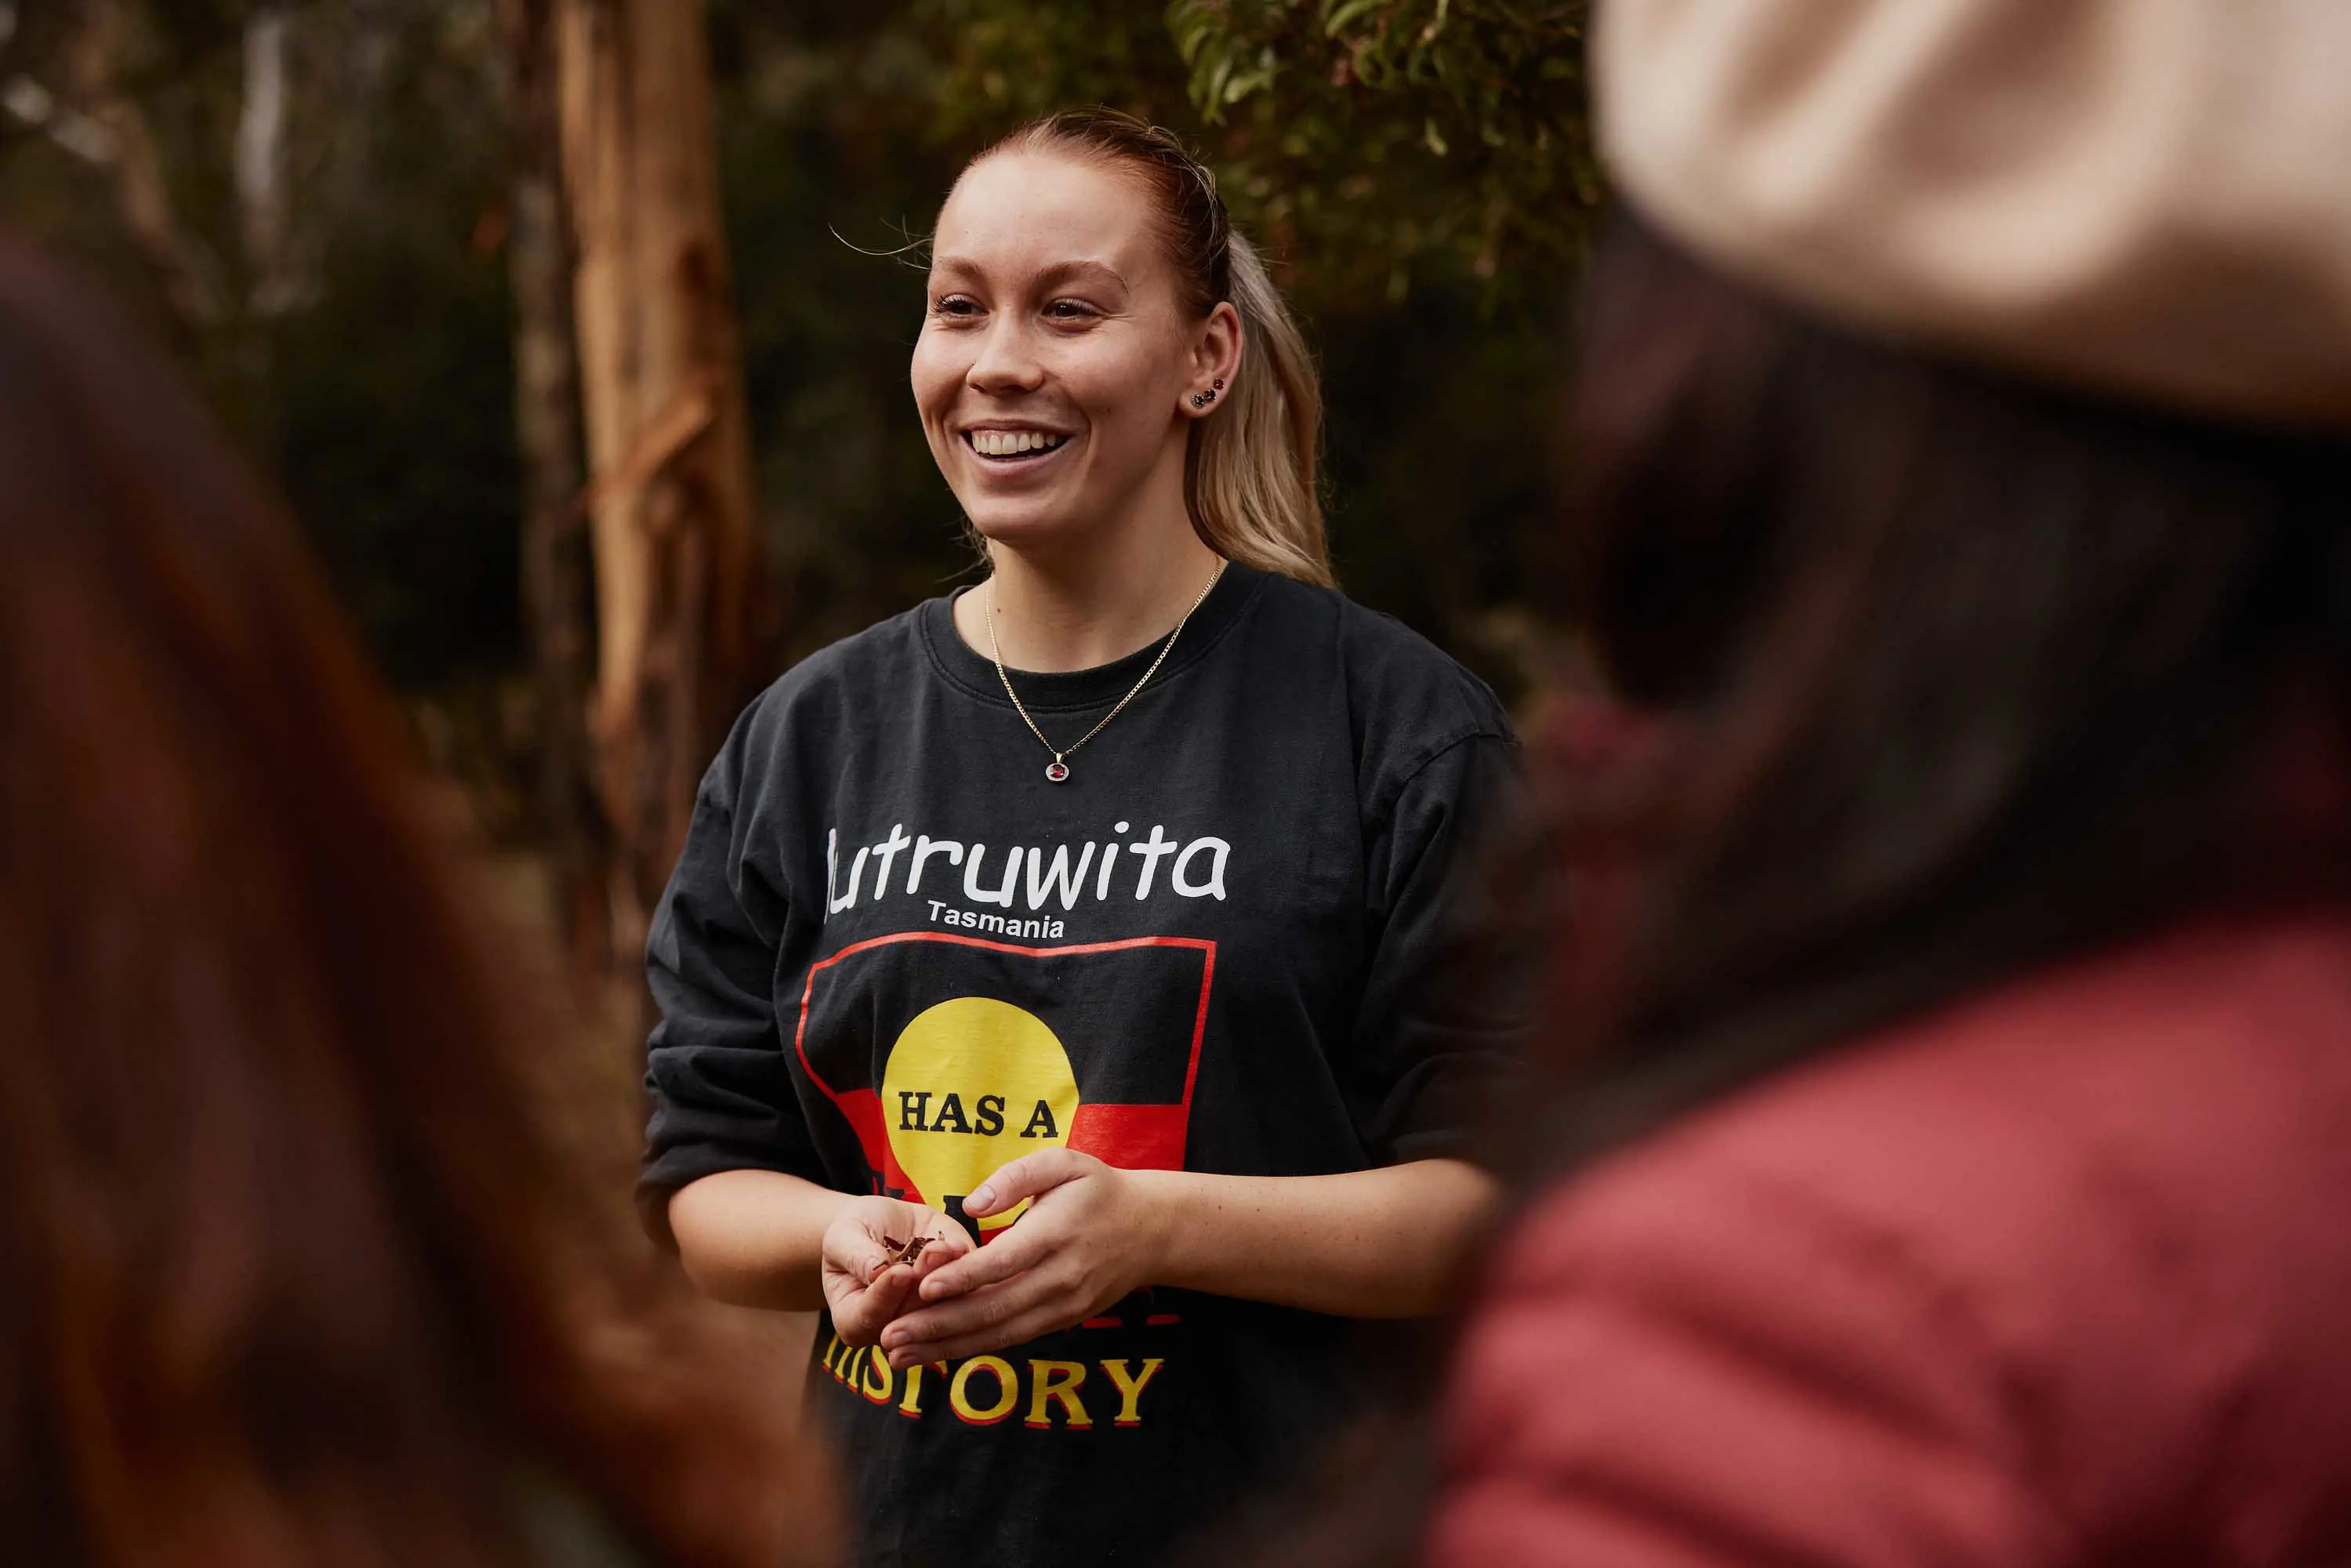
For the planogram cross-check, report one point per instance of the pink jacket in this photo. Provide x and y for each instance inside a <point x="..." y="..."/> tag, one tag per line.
<point x="2061" y="1276"/>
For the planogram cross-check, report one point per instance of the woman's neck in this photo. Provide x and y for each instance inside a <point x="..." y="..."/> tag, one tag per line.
<point x="1074" y="610"/>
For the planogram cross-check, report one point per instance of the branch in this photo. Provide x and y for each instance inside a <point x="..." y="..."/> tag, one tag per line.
<point x="29" y="30"/>
<point x="35" y="108"/>
<point x="188" y="276"/>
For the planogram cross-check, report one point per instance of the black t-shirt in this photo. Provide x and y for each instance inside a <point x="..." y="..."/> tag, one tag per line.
<point x="895" y="955"/>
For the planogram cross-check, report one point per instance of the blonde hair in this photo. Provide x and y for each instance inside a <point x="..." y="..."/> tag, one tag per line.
<point x="1249" y="478"/>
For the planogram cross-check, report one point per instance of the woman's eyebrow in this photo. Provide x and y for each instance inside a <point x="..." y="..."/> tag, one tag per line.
<point x="1070" y="271"/>
<point x="1060" y="272"/>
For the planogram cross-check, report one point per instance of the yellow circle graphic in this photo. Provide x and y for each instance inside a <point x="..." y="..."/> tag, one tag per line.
<point x="971" y="1085"/>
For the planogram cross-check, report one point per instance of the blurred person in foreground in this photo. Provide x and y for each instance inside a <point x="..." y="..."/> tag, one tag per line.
<point x="1099" y="912"/>
<point x="304" y="1253"/>
<point x="1947" y="1154"/>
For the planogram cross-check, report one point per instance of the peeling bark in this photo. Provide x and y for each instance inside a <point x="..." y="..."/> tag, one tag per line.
<point x="676" y="559"/>
<point x="558" y="602"/>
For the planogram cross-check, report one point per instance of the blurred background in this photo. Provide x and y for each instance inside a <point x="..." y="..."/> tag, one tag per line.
<point x="574" y="332"/>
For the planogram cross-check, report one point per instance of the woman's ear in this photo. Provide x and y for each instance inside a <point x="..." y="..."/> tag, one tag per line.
<point x="1216" y="360"/>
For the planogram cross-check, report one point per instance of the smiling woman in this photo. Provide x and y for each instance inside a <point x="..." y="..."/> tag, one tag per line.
<point x="1050" y="208"/>
<point x="1203" y="1092"/>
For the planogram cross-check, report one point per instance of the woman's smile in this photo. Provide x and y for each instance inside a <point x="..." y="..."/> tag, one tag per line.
<point x="1015" y="448"/>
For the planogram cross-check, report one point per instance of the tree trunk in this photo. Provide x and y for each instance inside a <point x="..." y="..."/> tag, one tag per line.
<point x="187" y="276"/>
<point x="260" y="164"/>
<point x="676" y="555"/>
<point x="558" y="595"/>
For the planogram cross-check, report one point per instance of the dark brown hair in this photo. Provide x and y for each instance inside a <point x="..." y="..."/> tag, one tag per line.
<point x="1249" y="478"/>
<point x="300" y="1222"/>
<point x="1951" y="675"/>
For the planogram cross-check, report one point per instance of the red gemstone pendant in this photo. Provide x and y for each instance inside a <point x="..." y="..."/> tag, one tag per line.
<point x="1057" y="771"/>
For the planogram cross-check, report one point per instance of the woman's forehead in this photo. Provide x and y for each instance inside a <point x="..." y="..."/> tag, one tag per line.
<point x="1028" y="213"/>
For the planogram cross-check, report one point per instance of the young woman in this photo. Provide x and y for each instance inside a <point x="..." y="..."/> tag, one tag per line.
<point x="1105" y="897"/>
<point x="1959" y="1175"/>
<point x="306" y="1251"/>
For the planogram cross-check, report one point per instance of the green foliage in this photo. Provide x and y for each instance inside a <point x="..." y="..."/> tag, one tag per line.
<point x="1422" y="173"/>
<point x="1000" y="62"/>
<point x="1379" y="144"/>
<point x="1417" y="168"/>
<point x="1468" y="118"/>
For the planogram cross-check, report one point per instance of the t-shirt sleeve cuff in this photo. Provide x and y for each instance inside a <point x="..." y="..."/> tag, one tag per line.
<point x="1449" y="1112"/>
<point x="1433" y="1144"/>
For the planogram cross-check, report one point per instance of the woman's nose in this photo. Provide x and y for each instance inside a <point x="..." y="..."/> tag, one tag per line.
<point x="1007" y="361"/>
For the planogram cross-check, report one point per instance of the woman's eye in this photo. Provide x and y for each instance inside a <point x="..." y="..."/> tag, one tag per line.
<point x="955" y="304"/>
<point x="1071" y="310"/>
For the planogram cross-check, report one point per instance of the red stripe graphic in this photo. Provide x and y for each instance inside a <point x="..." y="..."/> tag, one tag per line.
<point x="1143" y="1137"/>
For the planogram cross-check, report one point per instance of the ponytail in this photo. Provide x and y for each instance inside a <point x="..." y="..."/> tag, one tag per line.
<point x="1249" y="479"/>
<point x="1249" y="475"/>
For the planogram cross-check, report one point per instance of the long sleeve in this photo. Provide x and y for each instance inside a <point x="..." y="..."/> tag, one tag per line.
<point x="720" y="1084"/>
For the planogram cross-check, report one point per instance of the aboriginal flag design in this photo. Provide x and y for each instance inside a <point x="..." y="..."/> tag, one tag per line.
<point x="950" y="1056"/>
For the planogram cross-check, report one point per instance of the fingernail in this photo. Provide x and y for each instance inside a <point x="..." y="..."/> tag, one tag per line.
<point x="979" y="1199"/>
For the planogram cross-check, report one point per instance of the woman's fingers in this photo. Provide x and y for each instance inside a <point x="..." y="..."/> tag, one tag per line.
<point x="937" y="1256"/>
<point x="986" y="1306"/>
<point x="1024" y="1177"/>
<point x="862" y="1260"/>
<point x="1022" y="1247"/>
<point x="999" y="1323"/>
<point x="865" y="1284"/>
<point x="1016" y="1251"/>
<point x="949" y="1241"/>
<point x="860" y="1313"/>
<point x="871" y="1234"/>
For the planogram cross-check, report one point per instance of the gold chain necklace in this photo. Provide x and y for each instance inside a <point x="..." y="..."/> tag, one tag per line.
<point x="1058" y="770"/>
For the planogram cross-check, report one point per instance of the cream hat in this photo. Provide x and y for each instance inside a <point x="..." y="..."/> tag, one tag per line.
<point x="2149" y="197"/>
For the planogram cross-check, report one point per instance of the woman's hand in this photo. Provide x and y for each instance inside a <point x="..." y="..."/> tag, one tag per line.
<point x="1389" y="1242"/>
<point x="863" y="1289"/>
<point x="1090" y="1237"/>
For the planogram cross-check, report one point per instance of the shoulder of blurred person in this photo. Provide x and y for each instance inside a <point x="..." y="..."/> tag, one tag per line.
<point x="2053" y="1275"/>
<point x="1945" y="1164"/>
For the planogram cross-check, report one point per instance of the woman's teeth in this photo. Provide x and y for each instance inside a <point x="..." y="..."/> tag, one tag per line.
<point x="1011" y="442"/>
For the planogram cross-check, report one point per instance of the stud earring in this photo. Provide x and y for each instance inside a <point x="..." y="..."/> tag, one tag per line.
<point x="1218" y="385"/>
<point x="1202" y="400"/>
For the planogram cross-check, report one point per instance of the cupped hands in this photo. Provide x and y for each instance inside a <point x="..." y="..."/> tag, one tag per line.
<point x="865" y="1284"/>
<point x="1090" y="1237"/>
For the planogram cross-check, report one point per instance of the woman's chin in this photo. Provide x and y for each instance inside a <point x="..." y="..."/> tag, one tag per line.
<point x="1027" y="526"/>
